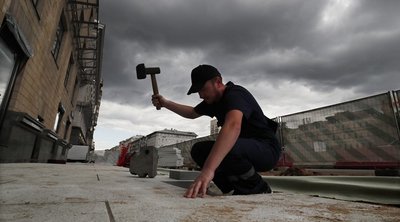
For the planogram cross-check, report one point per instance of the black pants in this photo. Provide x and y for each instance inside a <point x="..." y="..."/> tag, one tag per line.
<point x="245" y="154"/>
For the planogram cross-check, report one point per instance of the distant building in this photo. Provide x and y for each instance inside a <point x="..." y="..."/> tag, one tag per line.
<point x="120" y="154"/>
<point x="133" y="143"/>
<point x="167" y="137"/>
<point x="50" y="79"/>
<point x="131" y="139"/>
<point x="214" y="129"/>
<point x="157" y="139"/>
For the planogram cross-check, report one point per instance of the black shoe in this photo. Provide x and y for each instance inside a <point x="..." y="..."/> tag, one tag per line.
<point x="263" y="187"/>
<point x="253" y="185"/>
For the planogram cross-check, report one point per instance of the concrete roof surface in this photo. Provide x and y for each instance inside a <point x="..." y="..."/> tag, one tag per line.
<point x="93" y="192"/>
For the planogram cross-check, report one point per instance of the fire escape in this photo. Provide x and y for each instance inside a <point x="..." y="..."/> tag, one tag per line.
<point x="88" y="36"/>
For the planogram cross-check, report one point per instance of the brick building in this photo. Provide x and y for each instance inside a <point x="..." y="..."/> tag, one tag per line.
<point x="50" y="77"/>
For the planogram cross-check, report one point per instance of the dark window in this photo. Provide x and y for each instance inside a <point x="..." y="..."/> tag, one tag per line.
<point x="36" y="5"/>
<point x="35" y="2"/>
<point x="67" y="126"/>
<point x="12" y="58"/>
<point x="7" y="62"/>
<point x="58" y="39"/>
<point x="59" y="116"/>
<point x="74" y="91"/>
<point x="67" y="75"/>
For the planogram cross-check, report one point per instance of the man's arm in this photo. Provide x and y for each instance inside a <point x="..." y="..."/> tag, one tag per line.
<point x="180" y="109"/>
<point x="227" y="137"/>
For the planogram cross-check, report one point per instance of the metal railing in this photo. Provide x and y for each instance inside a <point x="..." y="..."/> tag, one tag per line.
<point x="362" y="133"/>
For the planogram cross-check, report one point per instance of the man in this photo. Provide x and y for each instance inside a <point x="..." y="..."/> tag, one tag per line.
<point x="246" y="143"/>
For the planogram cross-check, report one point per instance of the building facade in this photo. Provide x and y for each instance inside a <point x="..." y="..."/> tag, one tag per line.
<point x="163" y="138"/>
<point x="50" y="77"/>
<point x="167" y="137"/>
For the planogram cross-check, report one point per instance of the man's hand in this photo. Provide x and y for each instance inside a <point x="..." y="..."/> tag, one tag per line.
<point x="180" y="109"/>
<point x="158" y="100"/>
<point x="200" y="185"/>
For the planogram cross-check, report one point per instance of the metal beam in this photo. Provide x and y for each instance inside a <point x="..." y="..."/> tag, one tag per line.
<point x="85" y="37"/>
<point x="84" y="3"/>
<point x="88" y="59"/>
<point x="85" y="22"/>
<point x="90" y="49"/>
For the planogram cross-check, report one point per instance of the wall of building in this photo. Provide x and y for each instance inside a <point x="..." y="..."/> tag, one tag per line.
<point x="39" y="88"/>
<point x="38" y="115"/>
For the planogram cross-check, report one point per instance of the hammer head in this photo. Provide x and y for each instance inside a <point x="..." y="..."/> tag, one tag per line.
<point x="142" y="71"/>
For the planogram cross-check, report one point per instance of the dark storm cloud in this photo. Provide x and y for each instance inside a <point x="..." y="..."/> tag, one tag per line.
<point x="322" y="43"/>
<point x="228" y="26"/>
<point x="293" y="55"/>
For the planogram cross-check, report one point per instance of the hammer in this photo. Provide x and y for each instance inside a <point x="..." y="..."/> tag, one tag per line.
<point x="142" y="71"/>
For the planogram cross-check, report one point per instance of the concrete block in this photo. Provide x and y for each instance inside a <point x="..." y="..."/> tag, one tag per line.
<point x="388" y="172"/>
<point x="144" y="162"/>
<point x="183" y="174"/>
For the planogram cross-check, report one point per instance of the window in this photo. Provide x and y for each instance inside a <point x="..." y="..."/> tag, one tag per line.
<point x="68" y="124"/>
<point x="67" y="75"/>
<point x="7" y="61"/>
<point x="35" y="4"/>
<point x="319" y="146"/>
<point x="12" y="56"/>
<point x="75" y="89"/>
<point x="59" y="116"/>
<point x="58" y="39"/>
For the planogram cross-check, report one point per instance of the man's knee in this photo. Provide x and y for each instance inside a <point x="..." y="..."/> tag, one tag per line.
<point x="200" y="151"/>
<point x="195" y="150"/>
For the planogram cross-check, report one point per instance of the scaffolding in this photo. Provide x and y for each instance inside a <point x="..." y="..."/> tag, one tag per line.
<point x="88" y="35"/>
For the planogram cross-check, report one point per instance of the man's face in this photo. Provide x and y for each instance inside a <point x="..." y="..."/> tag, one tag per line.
<point x="209" y="92"/>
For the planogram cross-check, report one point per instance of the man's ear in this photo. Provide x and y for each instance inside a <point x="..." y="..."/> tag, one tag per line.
<point x="218" y="80"/>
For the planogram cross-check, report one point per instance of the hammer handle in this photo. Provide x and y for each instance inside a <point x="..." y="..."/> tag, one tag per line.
<point x="155" y="87"/>
<point x="152" y="70"/>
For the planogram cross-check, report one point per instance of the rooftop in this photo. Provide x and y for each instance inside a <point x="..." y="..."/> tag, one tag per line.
<point x="93" y="192"/>
<point x="174" y="132"/>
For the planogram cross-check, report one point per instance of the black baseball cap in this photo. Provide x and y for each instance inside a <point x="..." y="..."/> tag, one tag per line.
<point x="200" y="75"/>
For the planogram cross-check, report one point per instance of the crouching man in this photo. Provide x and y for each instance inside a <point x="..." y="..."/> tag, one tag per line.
<point x="246" y="143"/>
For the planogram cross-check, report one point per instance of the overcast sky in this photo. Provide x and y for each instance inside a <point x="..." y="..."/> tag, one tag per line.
<point x="292" y="55"/>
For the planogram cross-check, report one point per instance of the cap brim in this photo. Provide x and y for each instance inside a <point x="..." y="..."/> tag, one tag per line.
<point x="194" y="89"/>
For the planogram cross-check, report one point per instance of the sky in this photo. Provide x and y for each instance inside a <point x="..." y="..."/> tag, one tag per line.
<point x="292" y="55"/>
